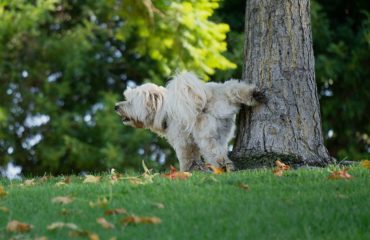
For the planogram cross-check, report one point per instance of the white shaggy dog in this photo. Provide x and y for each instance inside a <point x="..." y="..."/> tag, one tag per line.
<point x="196" y="118"/>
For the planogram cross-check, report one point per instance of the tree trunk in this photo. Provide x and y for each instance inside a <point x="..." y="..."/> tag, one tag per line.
<point x="279" y="58"/>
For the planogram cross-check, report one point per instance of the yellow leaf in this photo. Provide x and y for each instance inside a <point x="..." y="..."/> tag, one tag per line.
<point x="2" y="192"/>
<point x="4" y="209"/>
<point x="62" y="199"/>
<point x="93" y="236"/>
<point x="91" y="179"/>
<point x="41" y="238"/>
<point x="29" y="182"/>
<point x="63" y="182"/>
<point x="104" y="223"/>
<point x="216" y="170"/>
<point x="100" y="202"/>
<point x="244" y="186"/>
<point x="136" y="220"/>
<point x="18" y="227"/>
<point x="59" y="225"/>
<point x="114" y="176"/>
<point x="158" y="205"/>
<point x="45" y="178"/>
<point x="365" y="164"/>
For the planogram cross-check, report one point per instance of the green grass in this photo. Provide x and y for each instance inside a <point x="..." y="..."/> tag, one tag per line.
<point x="303" y="204"/>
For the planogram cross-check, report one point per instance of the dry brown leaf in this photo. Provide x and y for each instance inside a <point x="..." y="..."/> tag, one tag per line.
<point x="93" y="236"/>
<point x="2" y="192"/>
<point x="92" y="179"/>
<point x="114" y="176"/>
<point x="104" y="223"/>
<point x="45" y="178"/>
<point x="244" y="186"/>
<point x="4" y="209"/>
<point x="116" y="211"/>
<point x="365" y="164"/>
<point x="158" y="205"/>
<point x="65" y="181"/>
<point x="18" y="227"/>
<point x="340" y="174"/>
<point x="280" y="168"/>
<point x="41" y="238"/>
<point x="135" y="180"/>
<point x="62" y="199"/>
<point x="137" y="220"/>
<point x="29" y="182"/>
<point x="100" y="202"/>
<point x="59" y="225"/>
<point x="83" y="233"/>
<point x="174" y="174"/>
<point x="278" y="172"/>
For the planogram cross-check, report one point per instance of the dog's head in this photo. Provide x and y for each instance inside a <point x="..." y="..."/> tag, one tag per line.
<point x="140" y="105"/>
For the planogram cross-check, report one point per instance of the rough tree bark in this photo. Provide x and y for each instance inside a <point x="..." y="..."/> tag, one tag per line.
<point x="279" y="57"/>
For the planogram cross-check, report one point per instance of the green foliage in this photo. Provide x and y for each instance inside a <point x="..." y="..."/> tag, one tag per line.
<point x="342" y="50"/>
<point x="63" y="65"/>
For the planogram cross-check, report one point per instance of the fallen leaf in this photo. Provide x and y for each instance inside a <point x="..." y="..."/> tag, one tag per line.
<point x="92" y="179"/>
<point x="342" y="196"/>
<point x="60" y="225"/>
<point x="146" y="170"/>
<point x="278" y="172"/>
<point x="244" y="186"/>
<point x="174" y="174"/>
<point x="136" y="220"/>
<point x="2" y="192"/>
<point x="114" y="176"/>
<point x="100" y="202"/>
<point x="29" y="182"/>
<point x="46" y="178"/>
<point x="158" y="205"/>
<point x="116" y="211"/>
<point x="65" y="181"/>
<point x="4" y="209"/>
<point x="62" y="200"/>
<point x="365" y="164"/>
<point x="93" y="236"/>
<point x="280" y="168"/>
<point x="19" y="227"/>
<point x="340" y="174"/>
<point x="137" y="181"/>
<point x="216" y="170"/>
<point x="104" y="223"/>
<point x="41" y="238"/>
<point x="281" y="165"/>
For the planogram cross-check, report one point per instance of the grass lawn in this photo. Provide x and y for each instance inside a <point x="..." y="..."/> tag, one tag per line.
<point x="302" y="204"/>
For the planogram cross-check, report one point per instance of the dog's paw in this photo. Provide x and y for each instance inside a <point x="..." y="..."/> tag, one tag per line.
<point x="259" y="95"/>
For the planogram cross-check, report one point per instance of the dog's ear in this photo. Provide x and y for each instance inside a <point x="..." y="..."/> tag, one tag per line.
<point x="154" y="100"/>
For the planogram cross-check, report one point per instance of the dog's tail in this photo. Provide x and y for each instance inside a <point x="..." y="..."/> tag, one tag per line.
<point x="186" y="98"/>
<point x="243" y="93"/>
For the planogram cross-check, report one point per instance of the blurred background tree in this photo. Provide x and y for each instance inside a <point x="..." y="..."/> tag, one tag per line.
<point x="64" y="63"/>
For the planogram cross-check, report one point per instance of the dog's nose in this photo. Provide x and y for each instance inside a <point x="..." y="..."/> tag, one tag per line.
<point x="116" y="108"/>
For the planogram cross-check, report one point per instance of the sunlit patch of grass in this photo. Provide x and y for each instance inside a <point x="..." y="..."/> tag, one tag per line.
<point x="253" y="204"/>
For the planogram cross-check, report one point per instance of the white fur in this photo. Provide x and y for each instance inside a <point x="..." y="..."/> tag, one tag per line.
<point x="196" y="118"/>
